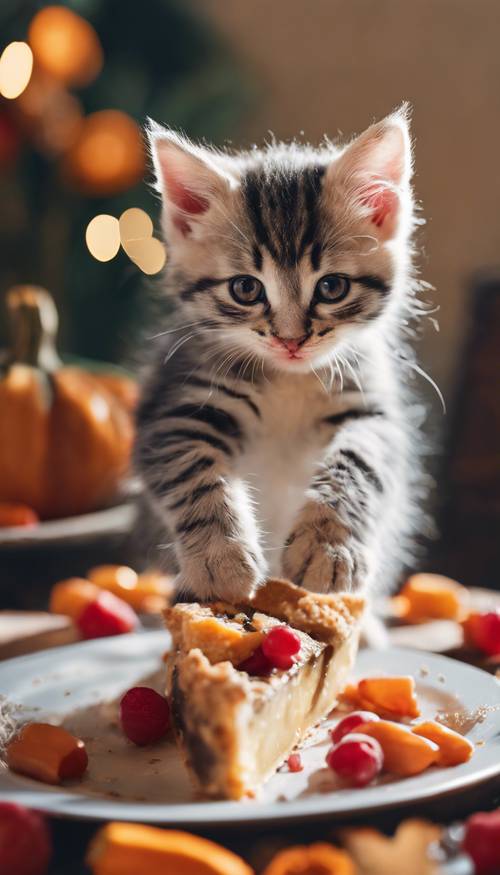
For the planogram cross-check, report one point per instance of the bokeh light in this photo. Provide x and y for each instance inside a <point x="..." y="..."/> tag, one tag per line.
<point x="148" y="254"/>
<point x="65" y="45"/>
<point x="49" y="115"/>
<point x="16" y="65"/>
<point x="103" y="237"/>
<point x="108" y="156"/>
<point x="135" y="224"/>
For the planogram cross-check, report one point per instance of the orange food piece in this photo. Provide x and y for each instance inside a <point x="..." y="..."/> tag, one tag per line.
<point x="130" y="849"/>
<point x="469" y="628"/>
<point x="317" y="859"/>
<point x="405" y="753"/>
<point x="350" y="695"/>
<point x="47" y="753"/>
<point x="433" y="597"/>
<point x="393" y="695"/>
<point x="148" y="592"/>
<point x="70" y="597"/>
<point x="453" y="747"/>
<point x="15" y="514"/>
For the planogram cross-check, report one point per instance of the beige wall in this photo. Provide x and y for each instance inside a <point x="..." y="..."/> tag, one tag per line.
<point x="324" y="65"/>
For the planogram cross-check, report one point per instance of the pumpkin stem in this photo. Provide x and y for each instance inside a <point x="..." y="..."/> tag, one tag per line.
<point x="33" y="323"/>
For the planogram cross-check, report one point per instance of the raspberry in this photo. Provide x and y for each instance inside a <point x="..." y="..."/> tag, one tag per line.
<point x="486" y="633"/>
<point x="107" y="615"/>
<point x="294" y="762"/>
<point x="356" y="759"/>
<point x="25" y="845"/>
<point x="144" y="715"/>
<point x="256" y="664"/>
<point x="349" y="724"/>
<point x="280" y="645"/>
<point x="482" y="841"/>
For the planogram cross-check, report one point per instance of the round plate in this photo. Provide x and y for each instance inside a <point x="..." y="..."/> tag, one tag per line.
<point x="116" y="520"/>
<point x="79" y="685"/>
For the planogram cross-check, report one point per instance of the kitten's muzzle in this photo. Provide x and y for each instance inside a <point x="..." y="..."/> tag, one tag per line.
<point x="291" y="344"/>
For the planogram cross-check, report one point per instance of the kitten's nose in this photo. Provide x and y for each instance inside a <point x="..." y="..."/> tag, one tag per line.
<point x="292" y="344"/>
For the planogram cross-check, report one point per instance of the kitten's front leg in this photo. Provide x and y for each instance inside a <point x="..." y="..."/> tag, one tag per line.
<point x="209" y="514"/>
<point x="333" y="544"/>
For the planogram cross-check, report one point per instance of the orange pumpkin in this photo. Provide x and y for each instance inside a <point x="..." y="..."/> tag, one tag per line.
<point x="65" y="439"/>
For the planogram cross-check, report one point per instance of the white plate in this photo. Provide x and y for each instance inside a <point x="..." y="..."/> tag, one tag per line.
<point x="116" y="520"/>
<point x="78" y="685"/>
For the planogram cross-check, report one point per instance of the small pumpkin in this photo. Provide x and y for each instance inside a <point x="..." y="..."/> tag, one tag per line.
<point x="65" y="438"/>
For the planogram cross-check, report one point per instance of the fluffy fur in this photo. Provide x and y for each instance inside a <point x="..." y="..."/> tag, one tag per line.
<point x="273" y="434"/>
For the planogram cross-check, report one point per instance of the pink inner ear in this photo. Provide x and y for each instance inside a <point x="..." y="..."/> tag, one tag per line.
<point x="185" y="199"/>
<point x="383" y="203"/>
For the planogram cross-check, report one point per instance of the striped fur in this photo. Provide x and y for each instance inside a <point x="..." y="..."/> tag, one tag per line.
<point x="260" y="459"/>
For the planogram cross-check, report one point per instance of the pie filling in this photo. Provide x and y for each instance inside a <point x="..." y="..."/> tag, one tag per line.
<point x="234" y="728"/>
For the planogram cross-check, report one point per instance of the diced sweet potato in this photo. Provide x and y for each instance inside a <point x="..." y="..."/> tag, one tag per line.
<point x="222" y="641"/>
<point x="47" y="753"/>
<point x="453" y="747"/>
<point x="130" y="849"/>
<point x="148" y="592"/>
<point x="392" y="695"/>
<point x="71" y="597"/>
<point x="320" y="858"/>
<point x="433" y="597"/>
<point x="405" y="753"/>
<point x="14" y="514"/>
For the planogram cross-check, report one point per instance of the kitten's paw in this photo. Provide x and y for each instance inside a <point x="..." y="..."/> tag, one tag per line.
<point x="319" y="555"/>
<point x="231" y="574"/>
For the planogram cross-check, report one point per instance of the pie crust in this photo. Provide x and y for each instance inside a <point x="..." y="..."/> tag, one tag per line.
<point x="235" y="729"/>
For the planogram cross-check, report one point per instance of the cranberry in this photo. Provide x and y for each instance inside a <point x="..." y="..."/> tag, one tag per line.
<point x="294" y="762"/>
<point x="280" y="645"/>
<point x="25" y="845"/>
<point x="144" y="715"/>
<point x="486" y="633"/>
<point x="107" y="615"/>
<point x="482" y="841"/>
<point x="349" y="724"/>
<point x="356" y="759"/>
<point x="256" y="664"/>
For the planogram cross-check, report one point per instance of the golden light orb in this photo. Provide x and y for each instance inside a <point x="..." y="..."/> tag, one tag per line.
<point x="16" y="65"/>
<point x="65" y="45"/>
<point x="103" y="237"/>
<point x="148" y="254"/>
<point x="135" y="224"/>
<point x="108" y="156"/>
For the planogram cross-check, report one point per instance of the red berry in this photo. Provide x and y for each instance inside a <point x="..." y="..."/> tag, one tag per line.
<point x="144" y="715"/>
<point x="294" y="762"/>
<point x="486" y="633"/>
<point x="25" y="845"/>
<point x="482" y="841"/>
<point x="256" y="664"/>
<point x="107" y="615"/>
<point x="349" y="724"/>
<point x="280" y="645"/>
<point x="356" y="759"/>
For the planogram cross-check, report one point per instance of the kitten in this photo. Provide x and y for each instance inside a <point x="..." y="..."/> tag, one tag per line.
<point x="273" y="433"/>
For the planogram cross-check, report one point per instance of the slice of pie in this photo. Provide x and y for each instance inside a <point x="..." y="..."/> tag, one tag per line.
<point x="235" y="718"/>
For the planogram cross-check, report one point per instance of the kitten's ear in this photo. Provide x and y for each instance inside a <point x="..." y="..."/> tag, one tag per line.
<point x="191" y="180"/>
<point x="375" y="172"/>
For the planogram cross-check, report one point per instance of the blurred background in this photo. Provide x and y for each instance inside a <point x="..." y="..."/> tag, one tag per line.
<point x="78" y="89"/>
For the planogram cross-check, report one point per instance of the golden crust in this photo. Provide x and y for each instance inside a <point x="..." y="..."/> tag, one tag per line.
<point x="330" y="618"/>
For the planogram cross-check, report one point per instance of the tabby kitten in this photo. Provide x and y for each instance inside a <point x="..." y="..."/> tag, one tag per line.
<point x="273" y="434"/>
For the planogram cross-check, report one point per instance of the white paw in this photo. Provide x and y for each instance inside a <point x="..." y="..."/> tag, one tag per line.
<point x="319" y="554"/>
<point x="230" y="574"/>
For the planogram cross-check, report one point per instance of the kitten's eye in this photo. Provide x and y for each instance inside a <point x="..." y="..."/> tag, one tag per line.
<point x="247" y="290"/>
<point x="332" y="288"/>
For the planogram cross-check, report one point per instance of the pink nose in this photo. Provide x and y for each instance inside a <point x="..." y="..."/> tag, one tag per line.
<point x="292" y="344"/>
